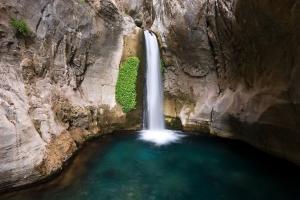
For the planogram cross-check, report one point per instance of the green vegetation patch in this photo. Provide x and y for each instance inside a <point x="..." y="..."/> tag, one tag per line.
<point x="173" y="123"/>
<point x="20" y="26"/>
<point x="126" y="92"/>
<point x="162" y="66"/>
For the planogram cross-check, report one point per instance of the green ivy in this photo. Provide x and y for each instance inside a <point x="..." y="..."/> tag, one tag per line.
<point x="126" y="84"/>
<point x="21" y="26"/>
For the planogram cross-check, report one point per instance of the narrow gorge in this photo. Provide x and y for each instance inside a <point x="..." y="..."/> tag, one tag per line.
<point x="75" y="72"/>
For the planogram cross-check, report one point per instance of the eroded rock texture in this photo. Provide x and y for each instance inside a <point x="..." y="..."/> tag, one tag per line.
<point x="232" y="69"/>
<point x="232" y="66"/>
<point x="57" y="86"/>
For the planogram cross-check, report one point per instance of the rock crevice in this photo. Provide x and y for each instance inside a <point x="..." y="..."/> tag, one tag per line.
<point x="236" y="61"/>
<point x="58" y="83"/>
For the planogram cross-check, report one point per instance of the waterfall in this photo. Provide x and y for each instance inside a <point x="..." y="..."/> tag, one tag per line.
<point x="153" y="115"/>
<point x="154" y="95"/>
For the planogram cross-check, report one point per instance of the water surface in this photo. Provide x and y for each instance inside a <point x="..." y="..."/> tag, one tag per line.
<point x="197" y="167"/>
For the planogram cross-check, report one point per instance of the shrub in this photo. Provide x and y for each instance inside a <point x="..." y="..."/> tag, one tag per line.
<point x="20" y="26"/>
<point x="126" y="84"/>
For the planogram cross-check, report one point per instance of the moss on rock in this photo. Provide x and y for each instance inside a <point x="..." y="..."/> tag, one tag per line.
<point x="173" y="123"/>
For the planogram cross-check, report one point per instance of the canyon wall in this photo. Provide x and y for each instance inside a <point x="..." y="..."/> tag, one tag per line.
<point x="232" y="68"/>
<point x="58" y="82"/>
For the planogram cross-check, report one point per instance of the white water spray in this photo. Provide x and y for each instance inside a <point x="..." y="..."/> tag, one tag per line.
<point x="154" y="103"/>
<point x="154" y="118"/>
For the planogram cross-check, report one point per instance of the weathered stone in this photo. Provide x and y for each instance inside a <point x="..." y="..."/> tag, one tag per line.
<point x="232" y="68"/>
<point x="57" y="86"/>
<point x="237" y="61"/>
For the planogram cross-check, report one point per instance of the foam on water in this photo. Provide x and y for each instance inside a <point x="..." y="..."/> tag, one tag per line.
<point x="160" y="137"/>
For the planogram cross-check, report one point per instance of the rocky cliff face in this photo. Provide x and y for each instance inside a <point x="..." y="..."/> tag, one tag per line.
<point x="232" y="69"/>
<point x="57" y="84"/>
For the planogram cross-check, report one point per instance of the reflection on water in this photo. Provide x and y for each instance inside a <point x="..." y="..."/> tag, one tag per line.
<point x="197" y="167"/>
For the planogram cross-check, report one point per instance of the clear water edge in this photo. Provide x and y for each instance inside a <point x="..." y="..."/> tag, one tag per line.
<point x="192" y="167"/>
<point x="196" y="167"/>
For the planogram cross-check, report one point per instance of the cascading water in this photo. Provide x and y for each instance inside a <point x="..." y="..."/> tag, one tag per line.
<point x="154" y="103"/>
<point x="153" y="117"/>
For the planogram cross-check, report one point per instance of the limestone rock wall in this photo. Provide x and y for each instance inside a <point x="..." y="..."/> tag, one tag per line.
<point x="57" y="84"/>
<point x="232" y="68"/>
